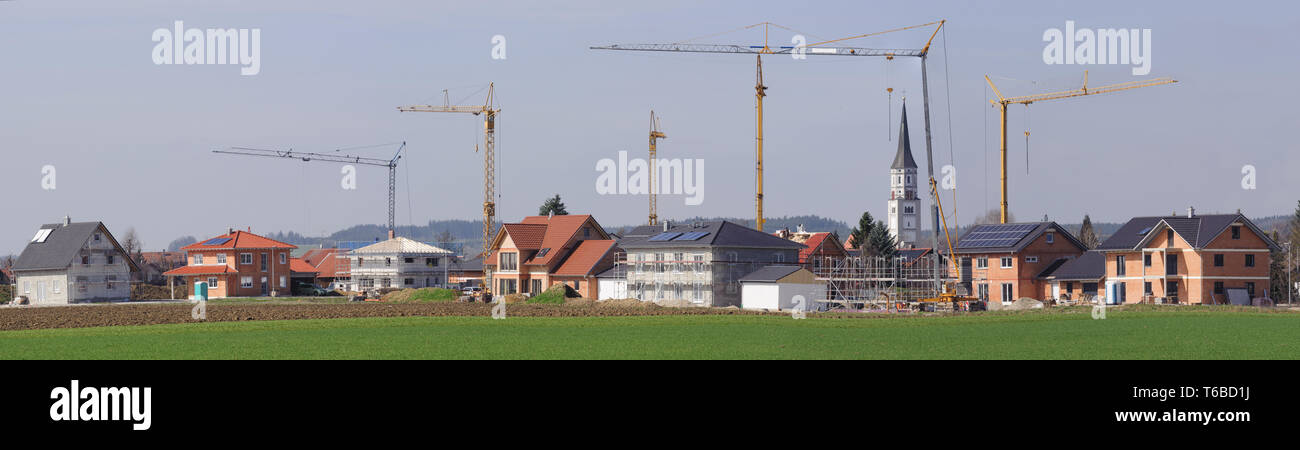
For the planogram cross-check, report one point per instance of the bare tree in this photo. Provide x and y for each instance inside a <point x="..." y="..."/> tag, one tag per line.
<point x="994" y="216"/>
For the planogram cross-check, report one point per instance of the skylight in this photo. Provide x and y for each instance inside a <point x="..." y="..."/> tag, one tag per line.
<point x="42" y="235"/>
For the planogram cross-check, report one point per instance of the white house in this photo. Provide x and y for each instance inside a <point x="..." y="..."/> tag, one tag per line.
<point x="782" y="288"/>
<point x="73" y="263"/>
<point x="613" y="284"/>
<point x="398" y="263"/>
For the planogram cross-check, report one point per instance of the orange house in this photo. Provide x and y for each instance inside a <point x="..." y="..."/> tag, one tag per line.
<point x="238" y="264"/>
<point x="1005" y="262"/>
<point x="1188" y="259"/>
<point x="531" y="256"/>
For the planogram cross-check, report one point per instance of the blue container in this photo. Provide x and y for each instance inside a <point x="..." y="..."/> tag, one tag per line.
<point x="201" y="291"/>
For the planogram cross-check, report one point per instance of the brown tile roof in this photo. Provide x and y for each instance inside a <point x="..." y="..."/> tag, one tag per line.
<point x="560" y="230"/>
<point x="327" y="263"/>
<point x="526" y="236"/>
<point x="238" y="240"/>
<point x="585" y="260"/>
<point x="297" y="265"/>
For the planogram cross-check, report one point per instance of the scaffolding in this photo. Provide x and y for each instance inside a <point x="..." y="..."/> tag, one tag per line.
<point x="878" y="283"/>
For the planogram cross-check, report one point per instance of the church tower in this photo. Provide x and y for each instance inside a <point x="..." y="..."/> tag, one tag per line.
<point x="904" y="206"/>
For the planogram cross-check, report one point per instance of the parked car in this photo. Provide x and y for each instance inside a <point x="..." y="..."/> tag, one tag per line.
<point x="472" y="290"/>
<point x="311" y="290"/>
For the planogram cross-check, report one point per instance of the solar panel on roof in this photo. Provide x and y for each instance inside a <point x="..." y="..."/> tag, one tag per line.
<point x="997" y="235"/>
<point x="668" y="236"/>
<point x="1144" y="231"/>
<point x="692" y="236"/>
<point x="215" y="242"/>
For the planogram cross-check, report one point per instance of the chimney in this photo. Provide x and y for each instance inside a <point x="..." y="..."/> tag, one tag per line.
<point x="800" y="228"/>
<point x="392" y="235"/>
<point x="230" y="230"/>
<point x="1191" y="212"/>
<point x="67" y="220"/>
<point x="666" y="226"/>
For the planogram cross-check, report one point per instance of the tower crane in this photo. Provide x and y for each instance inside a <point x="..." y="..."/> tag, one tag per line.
<point x="489" y="113"/>
<point x="391" y="164"/>
<point x="1002" y="102"/>
<point x="655" y="136"/>
<point x="760" y="90"/>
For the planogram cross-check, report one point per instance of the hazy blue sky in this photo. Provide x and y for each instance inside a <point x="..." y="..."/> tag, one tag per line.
<point x="131" y="140"/>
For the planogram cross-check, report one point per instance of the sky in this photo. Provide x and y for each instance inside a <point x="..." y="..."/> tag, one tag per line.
<point x="131" y="141"/>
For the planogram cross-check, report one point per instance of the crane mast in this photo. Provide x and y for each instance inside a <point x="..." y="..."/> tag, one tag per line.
<point x="655" y="136"/>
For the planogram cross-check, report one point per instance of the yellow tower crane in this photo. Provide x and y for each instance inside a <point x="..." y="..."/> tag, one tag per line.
<point x="655" y="136"/>
<point x="489" y="113"/>
<point x="1002" y="102"/>
<point x="760" y="90"/>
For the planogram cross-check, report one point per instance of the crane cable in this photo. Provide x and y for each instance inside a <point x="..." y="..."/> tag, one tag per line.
<point x="948" y="99"/>
<point x="1027" y="139"/>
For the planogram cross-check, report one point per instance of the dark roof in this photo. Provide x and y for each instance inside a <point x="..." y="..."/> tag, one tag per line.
<point x="1196" y="230"/>
<point x="466" y="265"/>
<point x="63" y="246"/>
<point x="1089" y="266"/>
<point x="910" y="255"/>
<point x="720" y="234"/>
<point x="1028" y="237"/>
<point x="903" y="160"/>
<point x="770" y="274"/>
<point x="611" y="272"/>
<point x="1051" y="268"/>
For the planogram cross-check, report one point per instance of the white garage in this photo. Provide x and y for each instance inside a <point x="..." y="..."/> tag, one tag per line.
<point x="782" y="288"/>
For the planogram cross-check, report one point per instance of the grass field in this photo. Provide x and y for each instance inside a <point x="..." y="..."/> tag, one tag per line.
<point x="1164" y="334"/>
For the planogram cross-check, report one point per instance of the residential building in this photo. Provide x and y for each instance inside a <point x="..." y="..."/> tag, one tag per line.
<point x="821" y="248"/>
<point x="1077" y="279"/>
<point x="466" y="272"/>
<point x="398" y="263"/>
<point x="699" y="262"/>
<point x="904" y="205"/>
<point x="1195" y="259"/>
<point x="238" y="264"/>
<point x="73" y="263"/>
<point x="782" y="288"/>
<point x="300" y="271"/>
<point x="331" y="267"/>
<point x="1005" y="262"/>
<point x="530" y="256"/>
<point x="154" y="264"/>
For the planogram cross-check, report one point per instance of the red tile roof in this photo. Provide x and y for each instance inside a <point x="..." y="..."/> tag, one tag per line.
<point x="297" y="265"/>
<point x="560" y="230"/>
<point x="327" y="263"/>
<point x="200" y="270"/>
<point x="239" y="240"/>
<point x="585" y="259"/>
<point x="526" y="236"/>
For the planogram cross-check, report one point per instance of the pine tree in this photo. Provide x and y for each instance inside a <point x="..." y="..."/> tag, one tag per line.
<point x="862" y="232"/>
<point x="554" y="206"/>
<point x="1087" y="234"/>
<point x="881" y="242"/>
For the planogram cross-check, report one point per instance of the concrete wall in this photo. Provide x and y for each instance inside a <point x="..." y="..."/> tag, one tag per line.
<point x="94" y="281"/>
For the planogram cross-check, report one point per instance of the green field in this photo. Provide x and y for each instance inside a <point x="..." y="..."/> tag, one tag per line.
<point x="1183" y="333"/>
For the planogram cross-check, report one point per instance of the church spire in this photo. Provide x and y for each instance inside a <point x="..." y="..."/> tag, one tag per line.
<point x="904" y="158"/>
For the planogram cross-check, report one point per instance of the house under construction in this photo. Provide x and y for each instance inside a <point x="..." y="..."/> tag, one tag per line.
<point x="878" y="283"/>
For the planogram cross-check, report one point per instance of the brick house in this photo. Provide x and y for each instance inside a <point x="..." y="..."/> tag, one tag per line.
<point x="1187" y="259"/>
<point x="1005" y="262"/>
<point x="238" y="264"/>
<point x="530" y="256"/>
<point x="821" y="247"/>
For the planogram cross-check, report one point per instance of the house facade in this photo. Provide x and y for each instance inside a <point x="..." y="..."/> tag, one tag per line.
<point x="821" y="248"/>
<point x="331" y="266"/>
<point x="1195" y="259"/>
<point x="238" y="264"/>
<point x="530" y="256"/>
<point x="1005" y="262"/>
<point x="701" y="262"/>
<point x="73" y="263"/>
<point x="398" y="263"/>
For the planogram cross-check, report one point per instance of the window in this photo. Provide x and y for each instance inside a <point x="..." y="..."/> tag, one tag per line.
<point x="108" y="259"/>
<point x="779" y="257"/>
<point x="109" y="281"/>
<point x="1007" y="261"/>
<point x="212" y="283"/>
<point x="409" y="260"/>
<point x="98" y="237"/>
<point x="1218" y="288"/>
<point x="699" y="263"/>
<point x="1146" y="287"/>
<point x="1006" y="292"/>
<point x="83" y="284"/>
<point x="198" y="260"/>
<point x="909" y="209"/>
<point x="42" y="235"/>
<point x="247" y="260"/>
<point x="408" y="282"/>
<point x="1031" y="259"/>
<point x="1250" y="260"/>
<point x="679" y="265"/>
<point x="27" y="288"/>
<point x="659" y="263"/>
<point x="246" y="282"/>
<point x="431" y="262"/>
<point x="1250" y="288"/>
<point x="1236" y="232"/>
<point x="1171" y="264"/>
<point x="984" y="291"/>
<point x="284" y="282"/>
<point x="57" y="286"/>
<point x="264" y="262"/>
<point x="982" y="262"/>
<point x="1051" y="238"/>
<point x="1169" y="237"/>
<point x="510" y="261"/>
<point x="1119" y="265"/>
<point x="577" y="286"/>
<point x="1146" y="260"/>
<point x="221" y="258"/>
<point x="1069" y="287"/>
<point x="388" y="262"/>
<point x="586" y="232"/>
<point x="85" y="260"/>
<point x="284" y="258"/>
<point x="1218" y="260"/>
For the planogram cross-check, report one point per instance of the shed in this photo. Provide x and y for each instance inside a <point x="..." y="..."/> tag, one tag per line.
<point x="781" y="288"/>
